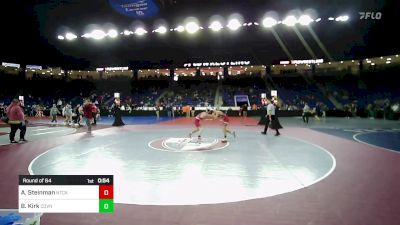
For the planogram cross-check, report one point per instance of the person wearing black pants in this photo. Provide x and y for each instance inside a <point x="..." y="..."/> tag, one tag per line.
<point x="306" y="113"/>
<point x="117" y="113"/>
<point x="271" y="119"/>
<point x="14" y="128"/>
<point x="94" y="114"/>
<point x="16" y="119"/>
<point x="53" y="113"/>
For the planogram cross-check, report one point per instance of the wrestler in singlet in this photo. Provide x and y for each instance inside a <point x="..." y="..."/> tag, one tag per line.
<point x="201" y="116"/>
<point x="225" y="121"/>
<point x="197" y="120"/>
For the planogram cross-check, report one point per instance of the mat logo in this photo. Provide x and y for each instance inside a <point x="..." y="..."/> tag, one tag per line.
<point x="370" y="15"/>
<point x="187" y="144"/>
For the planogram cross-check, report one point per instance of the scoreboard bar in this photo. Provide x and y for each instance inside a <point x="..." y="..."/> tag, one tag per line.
<point x="66" y="194"/>
<point x="65" y="180"/>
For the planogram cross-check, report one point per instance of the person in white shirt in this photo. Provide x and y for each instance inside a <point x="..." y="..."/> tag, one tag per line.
<point x="68" y="114"/>
<point x="395" y="107"/>
<point x="272" y="120"/>
<point x="306" y="113"/>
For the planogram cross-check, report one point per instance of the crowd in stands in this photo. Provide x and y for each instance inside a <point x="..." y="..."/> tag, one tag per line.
<point x="296" y="91"/>
<point x="253" y="93"/>
<point x="372" y="94"/>
<point x="202" y="95"/>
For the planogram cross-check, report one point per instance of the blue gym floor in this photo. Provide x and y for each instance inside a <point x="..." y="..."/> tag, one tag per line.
<point x="385" y="138"/>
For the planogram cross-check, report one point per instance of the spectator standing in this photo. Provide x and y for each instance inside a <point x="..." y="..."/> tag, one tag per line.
<point x="68" y="114"/>
<point x="2" y="110"/>
<point x="157" y="110"/>
<point x="169" y="109"/>
<point x="192" y="110"/>
<point x="16" y="119"/>
<point x="244" y="110"/>
<point x="88" y="114"/>
<point x="306" y="113"/>
<point x="59" y="103"/>
<point x="353" y="109"/>
<point x="53" y="113"/>
<point x="94" y="113"/>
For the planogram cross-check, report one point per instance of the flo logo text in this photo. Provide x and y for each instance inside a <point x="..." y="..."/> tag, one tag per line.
<point x="370" y="15"/>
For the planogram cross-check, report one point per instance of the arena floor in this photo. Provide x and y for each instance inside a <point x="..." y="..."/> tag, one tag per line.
<point x="330" y="171"/>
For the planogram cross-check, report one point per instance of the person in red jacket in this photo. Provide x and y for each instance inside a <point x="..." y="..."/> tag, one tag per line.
<point x="88" y="114"/>
<point x="16" y="119"/>
<point x="94" y="113"/>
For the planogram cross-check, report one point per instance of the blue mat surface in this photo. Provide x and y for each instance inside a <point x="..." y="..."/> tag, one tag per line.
<point x="348" y="133"/>
<point x="386" y="138"/>
<point x="389" y="140"/>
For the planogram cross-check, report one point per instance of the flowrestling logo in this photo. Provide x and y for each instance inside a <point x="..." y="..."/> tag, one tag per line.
<point x="135" y="8"/>
<point x="370" y="15"/>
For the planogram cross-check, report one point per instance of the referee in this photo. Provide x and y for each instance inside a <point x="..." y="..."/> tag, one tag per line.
<point x="271" y="118"/>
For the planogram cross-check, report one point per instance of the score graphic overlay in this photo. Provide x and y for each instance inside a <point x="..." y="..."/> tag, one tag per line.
<point x="66" y="194"/>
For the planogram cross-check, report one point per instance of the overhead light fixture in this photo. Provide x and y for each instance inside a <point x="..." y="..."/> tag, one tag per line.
<point x="112" y="33"/>
<point x="161" y="30"/>
<point x="140" y="31"/>
<point x="192" y="27"/>
<point x="97" y="34"/>
<point x="342" y="18"/>
<point x="290" y="21"/>
<point x="127" y="32"/>
<point x="216" y="26"/>
<point x="180" y="28"/>
<point x="269" y="22"/>
<point x="305" y="20"/>
<point x="234" y="24"/>
<point x="70" y="36"/>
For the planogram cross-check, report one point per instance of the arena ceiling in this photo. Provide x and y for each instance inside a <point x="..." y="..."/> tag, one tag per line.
<point x="30" y="29"/>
